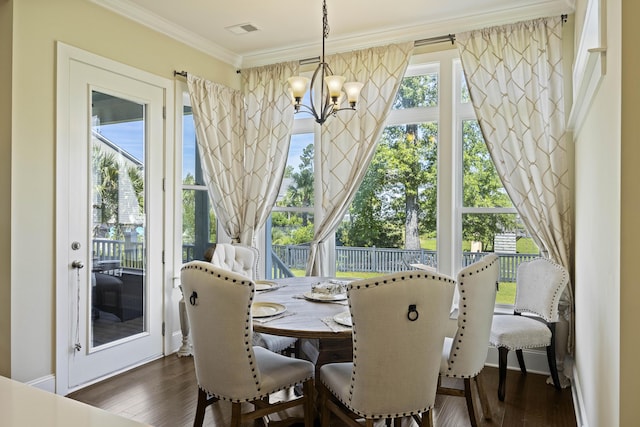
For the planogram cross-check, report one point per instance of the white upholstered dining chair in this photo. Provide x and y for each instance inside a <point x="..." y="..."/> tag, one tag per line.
<point x="539" y="286"/>
<point x="399" y="323"/>
<point x="218" y="303"/>
<point x="464" y="354"/>
<point x="244" y="260"/>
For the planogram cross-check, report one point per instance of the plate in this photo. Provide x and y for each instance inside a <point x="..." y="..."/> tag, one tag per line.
<point x="263" y="285"/>
<point x="343" y="318"/>
<point x="315" y="296"/>
<point x="266" y="309"/>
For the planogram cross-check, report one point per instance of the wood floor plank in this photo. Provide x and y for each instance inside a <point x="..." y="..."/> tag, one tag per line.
<point x="163" y="393"/>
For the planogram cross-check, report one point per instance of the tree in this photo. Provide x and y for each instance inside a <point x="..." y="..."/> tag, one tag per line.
<point x="105" y="207"/>
<point x="397" y="199"/>
<point x="398" y="195"/>
<point x="107" y="181"/>
<point x="189" y="208"/>
<point x="482" y="188"/>
<point x="289" y="227"/>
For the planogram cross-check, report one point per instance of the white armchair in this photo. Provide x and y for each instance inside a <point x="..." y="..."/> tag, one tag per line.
<point x="463" y="356"/>
<point x="243" y="260"/>
<point x="399" y="323"/>
<point x="219" y="309"/>
<point x="539" y="286"/>
<point x="238" y="258"/>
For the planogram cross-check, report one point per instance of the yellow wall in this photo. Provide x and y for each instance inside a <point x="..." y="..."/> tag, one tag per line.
<point x="6" y="39"/>
<point x="630" y="221"/>
<point x="37" y="25"/>
<point x="598" y="228"/>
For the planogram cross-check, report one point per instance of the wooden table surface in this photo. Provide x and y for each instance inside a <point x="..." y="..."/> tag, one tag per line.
<point x="303" y="318"/>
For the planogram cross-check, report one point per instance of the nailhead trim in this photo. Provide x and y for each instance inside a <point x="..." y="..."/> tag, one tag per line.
<point x="357" y="286"/>
<point x="261" y="394"/>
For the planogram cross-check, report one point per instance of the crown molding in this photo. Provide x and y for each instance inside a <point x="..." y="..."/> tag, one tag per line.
<point x="176" y="32"/>
<point x="412" y="33"/>
<point x="340" y="44"/>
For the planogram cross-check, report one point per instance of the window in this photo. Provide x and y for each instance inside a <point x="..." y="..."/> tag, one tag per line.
<point x="431" y="194"/>
<point x="488" y="220"/>
<point x="392" y="219"/>
<point x="198" y="217"/>
<point x="291" y="223"/>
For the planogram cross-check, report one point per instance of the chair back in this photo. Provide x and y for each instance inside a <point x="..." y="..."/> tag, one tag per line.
<point x="218" y="303"/>
<point x="399" y="323"/>
<point x="238" y="258"/>
<point x="477" y="285"/>
<point x="539" y="286"/>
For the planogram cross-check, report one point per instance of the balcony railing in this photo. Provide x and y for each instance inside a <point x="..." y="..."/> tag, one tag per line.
<point x="348" y="259"/>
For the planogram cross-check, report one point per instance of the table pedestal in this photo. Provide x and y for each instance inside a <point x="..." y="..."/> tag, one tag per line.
<point x="322" y="351"/>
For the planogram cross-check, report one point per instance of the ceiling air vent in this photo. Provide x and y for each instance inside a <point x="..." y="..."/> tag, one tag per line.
<point x="242" y="28"/>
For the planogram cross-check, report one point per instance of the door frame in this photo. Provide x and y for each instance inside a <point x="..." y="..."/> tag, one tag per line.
<point x="65" y="55"/>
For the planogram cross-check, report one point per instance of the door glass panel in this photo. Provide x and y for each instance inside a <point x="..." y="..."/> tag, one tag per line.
<point x="117" y="288"/>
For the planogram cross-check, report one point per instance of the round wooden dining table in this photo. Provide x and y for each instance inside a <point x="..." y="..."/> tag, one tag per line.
<point x="319" y="339"/>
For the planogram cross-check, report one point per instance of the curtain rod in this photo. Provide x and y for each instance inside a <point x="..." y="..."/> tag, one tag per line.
<point x="421" y="42"/>
<point x="180" y="73"/>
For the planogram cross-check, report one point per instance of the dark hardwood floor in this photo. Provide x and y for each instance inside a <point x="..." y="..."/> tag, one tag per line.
<point x="163" y="394"/>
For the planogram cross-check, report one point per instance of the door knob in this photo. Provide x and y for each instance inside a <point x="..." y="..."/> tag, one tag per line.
<point x="77" y="264"/>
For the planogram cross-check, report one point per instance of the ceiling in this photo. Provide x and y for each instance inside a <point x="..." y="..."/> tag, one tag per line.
<point x="292" y="29"/>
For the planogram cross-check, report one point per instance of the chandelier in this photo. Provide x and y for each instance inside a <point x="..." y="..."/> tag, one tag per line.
<point x="329" y="87"/>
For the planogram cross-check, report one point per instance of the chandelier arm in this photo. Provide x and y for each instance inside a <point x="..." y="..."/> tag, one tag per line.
<point x="324" y="106"/>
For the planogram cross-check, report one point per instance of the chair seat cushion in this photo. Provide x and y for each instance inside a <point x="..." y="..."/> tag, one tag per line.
<point x="274" y="343"/>
<point x="278" y="372"/>
<point x="337" y="378"/>
<point x="519" y="332"/>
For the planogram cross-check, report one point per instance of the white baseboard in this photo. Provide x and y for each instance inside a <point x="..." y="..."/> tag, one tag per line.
<point x="578" y="400"/>
<point x="46" y="383"/>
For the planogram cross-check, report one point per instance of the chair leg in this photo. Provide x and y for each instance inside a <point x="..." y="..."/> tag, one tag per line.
<point x="551" y="357"/>
<point x="469" y="398"/>
<point x="523" y="368"/>
<point x="308" y="390"/>
<point x="502" y="371"/>
<point x="427" y="419"/>
<point x="202" y="404"/>
<point x="236" y="414"/>
<point x="325" y="414"/>
<point x="486" y="411"/>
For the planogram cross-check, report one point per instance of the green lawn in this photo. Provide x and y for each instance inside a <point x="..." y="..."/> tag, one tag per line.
<point x="506" y="293"/>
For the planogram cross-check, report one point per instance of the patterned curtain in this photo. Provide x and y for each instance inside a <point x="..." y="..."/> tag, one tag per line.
<point x="349" y="139"/>
<point x="243" y="141"/>
<point x="515" y="80"/>
<point x="219" y="117"/>
<point x="268" y="133"/>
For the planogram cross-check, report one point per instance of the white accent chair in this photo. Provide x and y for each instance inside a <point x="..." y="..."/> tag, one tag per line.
<point x="539" y="286"/>
<point x="464" y="355"/>
<point x="244" y="260"/>
<point x="399" y="323"/>
<point x="218" y="303"/>
<point x="238" y="258"/>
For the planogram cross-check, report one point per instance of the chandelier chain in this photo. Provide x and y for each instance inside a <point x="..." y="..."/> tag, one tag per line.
<point x="325" y="21"/>
<point x="325" y="84"/>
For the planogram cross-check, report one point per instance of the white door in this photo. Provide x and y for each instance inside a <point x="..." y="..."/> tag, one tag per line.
<point x="115" y="235"/>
